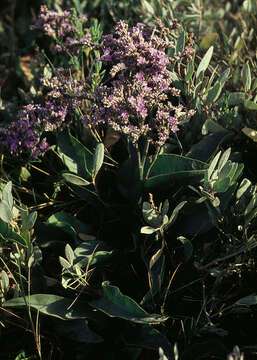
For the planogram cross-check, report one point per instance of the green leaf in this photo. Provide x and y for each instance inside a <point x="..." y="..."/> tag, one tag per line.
<point x="151" y="216"/>
<point x="180" y="42"/>
<point x="148" y="230"/>
<point x="213" y="93"/>
<point x="204" y="62"/>
<point x="223" y="159"/>
<point x="170" y="167"/>
<point x="114" y="304"/>
<point x="221" y="185"/>
<point x="54" y="305"/>
<point x="5" y="212"/>
<point x="76" y="157"/>
<point x="69" y="253"/>
<point x="98" y="158"/>
<point x="7" y="194"/>
<point x="29" y="221"/>
<point x="148" y="7"/>
<point x="175" y="212"/>
<point x="68" y="219"/>
<point x="246" y="76"/>
<point x="190" y="70"/>
<point x="236" y="98"/>
<point x="250" y="105"/>
<point x="247" y="300"/>
<point x="75" y="179"/>
<point x="212" y="166"/>
<point x="64" y="263"/>
<point x="204" y="149"/>
<point x="243" y="187"/>
<point x="93" y="252"/>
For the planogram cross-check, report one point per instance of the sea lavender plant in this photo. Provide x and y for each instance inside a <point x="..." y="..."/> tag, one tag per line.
<point x="138" y="98"/>
<point x="66" y="28"/>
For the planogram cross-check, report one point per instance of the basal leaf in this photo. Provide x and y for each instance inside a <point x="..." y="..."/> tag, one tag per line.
<point x="171" y="167"/>
<point x="75" y="155"/>
<point x="54" y="305"/>
<point x="114" y="304"/>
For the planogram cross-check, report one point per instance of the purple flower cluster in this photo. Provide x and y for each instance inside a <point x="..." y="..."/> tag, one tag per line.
<point x="63" y="95"/>
<point x="65" y="28"/>
<point x="23" y="136"/>
<point x="136" y="99"/>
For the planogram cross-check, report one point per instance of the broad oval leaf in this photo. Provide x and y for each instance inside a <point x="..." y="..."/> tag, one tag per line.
<point x="170" y="167"/>
<point x="75" y="155"/>
<point x="114" y="304"/>
<point x="54" y="305"/>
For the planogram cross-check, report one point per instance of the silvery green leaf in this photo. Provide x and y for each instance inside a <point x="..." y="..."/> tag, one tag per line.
<point x="69" y="254"/>
<point x="47" y="72"/>
<point x="246" y="75"/>
<point x="29" y="221"/>
<point x="223" y="159"/>
<point x="190" y="70"/>
<point x="64" y="263"/>
<point x="151" y="216"/>
<point x="204" y="62"/>
<point x="213" y="93"/>
<point x="147" y="230"/>
<point x="148" y="7"/>
<point x="31" y="261"/>
<point x="213" y="165"/>
<point x="75" y="179"/>
<point x="4" y="281"/>
<point x="243" y="187"/>
<point x="7" y="194"/>
<point x="5" y="212"/>
<point x="98" y="158"/>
